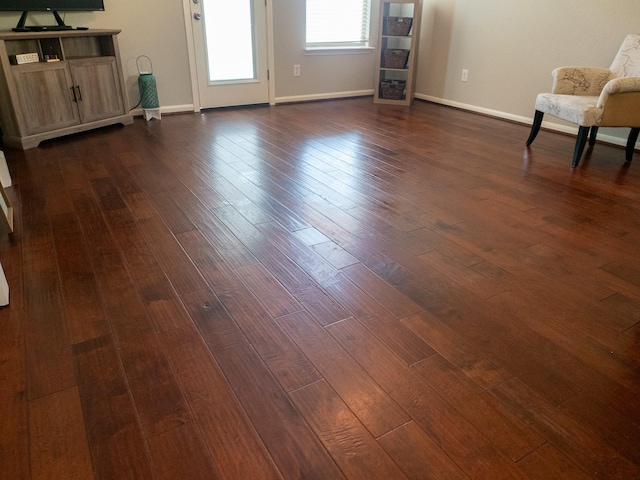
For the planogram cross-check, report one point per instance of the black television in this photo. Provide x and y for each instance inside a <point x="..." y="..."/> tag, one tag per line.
<point x="53" y="6"/>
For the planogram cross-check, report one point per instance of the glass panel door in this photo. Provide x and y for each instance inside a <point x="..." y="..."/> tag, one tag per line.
<point x="230" y="43"/>
<point x="230" y="40"/>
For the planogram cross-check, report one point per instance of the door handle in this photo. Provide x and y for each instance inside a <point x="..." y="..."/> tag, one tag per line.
<point x="73" y="92"/>
<point x="79" y="93"/>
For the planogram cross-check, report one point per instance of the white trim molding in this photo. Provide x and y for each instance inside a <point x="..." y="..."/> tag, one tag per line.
<point x="324" y="96"/>
<point x="139" y="112"/>
<point x="520" y="119"/>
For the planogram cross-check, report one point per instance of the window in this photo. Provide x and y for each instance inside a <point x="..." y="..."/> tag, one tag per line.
<point x="338" y="23"/>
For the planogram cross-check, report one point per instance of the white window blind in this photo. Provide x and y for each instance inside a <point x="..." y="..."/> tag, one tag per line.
<point x="338" y="23"/>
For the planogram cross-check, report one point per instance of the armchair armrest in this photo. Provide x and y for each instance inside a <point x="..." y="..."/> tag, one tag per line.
<point x="580" y="80"/>
<point x="618" y="85"/>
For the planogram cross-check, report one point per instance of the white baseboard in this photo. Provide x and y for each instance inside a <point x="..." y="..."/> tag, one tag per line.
<point x="4" y="288"/>
<point x="520" y="119"/>
<point x="463" y="106"/>
<point x="324" y="96"/>
<point x="138" y="112"/>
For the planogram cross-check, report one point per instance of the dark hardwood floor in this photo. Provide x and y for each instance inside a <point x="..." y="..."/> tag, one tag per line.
<point x="325" y="290"/>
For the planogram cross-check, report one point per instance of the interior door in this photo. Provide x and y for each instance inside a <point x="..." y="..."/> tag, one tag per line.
<point x="230" y="44"/>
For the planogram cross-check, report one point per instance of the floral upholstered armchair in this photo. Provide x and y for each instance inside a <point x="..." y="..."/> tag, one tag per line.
<point x="596" y="97"/>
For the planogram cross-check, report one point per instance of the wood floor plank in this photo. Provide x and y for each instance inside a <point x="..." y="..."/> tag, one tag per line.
<point x="476" y="283"/>
<point x="14" y="438"/>
<point x="504" y="429"/>
<point x="447" y="247"/>
<point x="248" y="180"/>
<point x="590" y="364"/>
<point x="172" y="214"/>
<point x="567" y="435"/>
<point x="305" y="257"/>
<point x="293" y="446"/>
<point x="163" y="305"/>
<point x="350" y="444"/>
<point x="387" y="296"/>
<point x="480" y="368"/>
<point x="373" y="407"/>
<point x="49" y="362"/>
<point x="83" y="304"/>
<point x="182" y="453"/>
<point x="188" y="275"/>
<point x="276" y="299"/>
<point x="247" y="318"/>
<point x="108" y="195"/>
<point x="235" y="446"/>
<point x="218" y="234"/>
<point x="159" y="401"/>
<point x="116" y="442"/>
<point x="334" y="254"/>
<point x="418" y="455"/>
<point x="58" y="441"/>
<point x="137" y="252"/>
<point x="390" y="331"/>
<point x="606" y="423"/>
<point x="287" y="272"/>
<point x="456" y="306"/>
<point x="547" y="462"/>
<point x="466" y="445"/>
<point x="14" y="426"/>
<point x="171" y="256"/>
<point x="107" y="261"/>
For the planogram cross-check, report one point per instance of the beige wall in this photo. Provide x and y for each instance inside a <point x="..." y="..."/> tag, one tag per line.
<point x="151" y="27"/>
<point x="508" y="46"/>
<point x="320" y="74"/>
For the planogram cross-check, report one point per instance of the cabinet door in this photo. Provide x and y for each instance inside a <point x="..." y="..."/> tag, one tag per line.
<point x="97" y="88"/>
<point x="45" y="96"/>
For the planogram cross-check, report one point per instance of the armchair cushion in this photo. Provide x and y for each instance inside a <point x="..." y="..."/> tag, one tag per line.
<point x="618" y="85"/>
<point x="580" y="80"/>
<point x="580" y="109"/>
<point x="627" y="61"/>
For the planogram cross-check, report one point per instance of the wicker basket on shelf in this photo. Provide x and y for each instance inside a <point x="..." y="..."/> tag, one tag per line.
<point x="397" y="26"/>
<point x="395" y="58"/>
<point x="392" y="89"/>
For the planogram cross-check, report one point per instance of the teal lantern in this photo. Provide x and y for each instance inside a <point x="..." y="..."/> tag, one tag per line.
<point x="147" y="86"/>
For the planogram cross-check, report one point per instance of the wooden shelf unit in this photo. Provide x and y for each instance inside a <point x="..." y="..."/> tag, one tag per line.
<point x="81" y="90"/>
<point x="401" y="77"/>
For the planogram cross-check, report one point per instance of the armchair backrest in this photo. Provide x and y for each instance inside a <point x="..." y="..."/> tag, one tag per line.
<point x="627" y="61"/>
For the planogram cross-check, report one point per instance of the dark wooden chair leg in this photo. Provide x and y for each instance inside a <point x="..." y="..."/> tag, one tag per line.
<point x="592" y="136"/>
<point x="535" y="128"/>
<point x="581" y="141"/>
<point x="631" y="142"/>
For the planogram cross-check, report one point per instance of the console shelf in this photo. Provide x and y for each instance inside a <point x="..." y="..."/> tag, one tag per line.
<point x="77" y="84"/>
<point x="398" y="35"/>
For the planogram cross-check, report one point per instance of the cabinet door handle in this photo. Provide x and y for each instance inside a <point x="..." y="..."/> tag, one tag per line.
<point x="73" y="92"/>
<point x="79" y="93"/>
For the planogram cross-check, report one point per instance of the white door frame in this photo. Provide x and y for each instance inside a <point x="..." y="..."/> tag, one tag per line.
<point x="186" y="4"/>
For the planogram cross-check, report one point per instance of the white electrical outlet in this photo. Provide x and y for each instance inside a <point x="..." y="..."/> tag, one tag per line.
<point x="465" y="74"/>
<point x="296" y="70"/>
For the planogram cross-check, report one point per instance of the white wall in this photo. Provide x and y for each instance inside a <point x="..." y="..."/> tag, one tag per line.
<point x="510" y="48"/>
